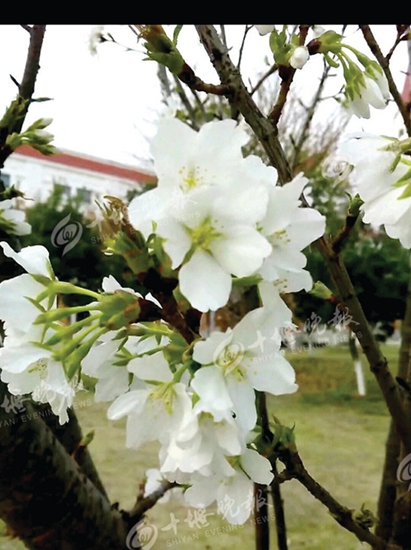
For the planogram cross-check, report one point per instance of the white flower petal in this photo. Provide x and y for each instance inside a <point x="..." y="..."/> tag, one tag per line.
<point x="34" y="259"/>
<point x="274" y="375"/>
<point x="151" y="367"/>
<point x="242" y="251"/>
<point x="209" y="384"/>
<point x="131" y="402"/>
<point x="18" y="359"/>
<point x="257" y="467"/>
<point x="15" y="309"/>
<point x="204" y="283"/>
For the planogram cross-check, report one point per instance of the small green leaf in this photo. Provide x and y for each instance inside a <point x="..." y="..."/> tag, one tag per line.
<point x="176" y="33"/>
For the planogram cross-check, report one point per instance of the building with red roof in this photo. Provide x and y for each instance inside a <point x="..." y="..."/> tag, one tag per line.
<point x="84" y="176"/>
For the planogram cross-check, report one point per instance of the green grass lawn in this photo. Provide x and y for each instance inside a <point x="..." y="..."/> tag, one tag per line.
<point x="340" y="437"/>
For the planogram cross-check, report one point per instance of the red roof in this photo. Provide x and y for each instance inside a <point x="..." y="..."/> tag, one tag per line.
<point x="88" y="163"/>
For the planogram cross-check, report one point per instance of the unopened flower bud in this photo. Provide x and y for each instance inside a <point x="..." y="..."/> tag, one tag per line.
<point x="299" y="57"/>
<point x="264" y="29"/>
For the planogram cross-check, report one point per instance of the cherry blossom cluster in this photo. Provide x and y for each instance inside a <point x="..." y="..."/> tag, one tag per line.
<point x="221" y="215"/>
<point x="365" y="81"/>
<point x="200" y="406"/>
<point x="215" y="218"/>
<point x="382" y="176"/>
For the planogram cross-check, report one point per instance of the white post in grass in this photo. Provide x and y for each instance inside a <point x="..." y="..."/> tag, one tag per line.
<point x="359" y="373"/>
<point x="360" y="376"/>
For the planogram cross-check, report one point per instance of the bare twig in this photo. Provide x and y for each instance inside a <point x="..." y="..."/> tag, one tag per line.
<point x="262" y="526"/>
<point x="401" y="29"/>
<point x="70" y="435"/>
<point x="186" y="102"/>
<point x="345" y="232"/>
<point x="240" y="53"/>
<point x="389" y="482"/>
<point x="262" y="534"/>
<point x="26" y="87"/>
<point x="223" y="36"/>
<point x="279" y="511"/>
<point x="374" y="47"/>
<point x="310" y="112"/>
<point x="145" y="503"/>
<point x="133" y="30"/>
<point x="32" y="66"/>
<point x="295" y="469"/>
<point x="270" y="71"/>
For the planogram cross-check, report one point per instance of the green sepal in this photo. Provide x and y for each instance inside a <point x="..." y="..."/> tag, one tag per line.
<point x="42" y="279"/>
<point x="320" y="290"/>
<point x="283" y="435"/>
<point x="404" y="181"/>
<point x="119" y="310"/>
<point x="330" y="42"/>
<point x="176" y="34"/>
<point x="355" y="204"/>
<point x="251" y="280"/>
<point x="73" y="362"/>
<point x="11" y="193"/>
<point x="279" y="46"/>
<point x="87" y="439"/>
<point x="36" y="304"/>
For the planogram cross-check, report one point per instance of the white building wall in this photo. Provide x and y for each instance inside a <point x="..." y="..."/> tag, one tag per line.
<point x="36" y="178"/>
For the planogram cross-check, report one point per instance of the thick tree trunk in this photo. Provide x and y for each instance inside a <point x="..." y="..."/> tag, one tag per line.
<point x="45" y="498"/>
<point x="392" y="513"/>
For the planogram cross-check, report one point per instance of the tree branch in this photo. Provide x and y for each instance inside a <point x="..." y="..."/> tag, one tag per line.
<point x="241" y="100"/>
<point x="359" y="325"/>
<point x="279" y="511"/>
<point x="262" y="526"/>
<point x="287" y="76"/>
<point x="32" y="67"/>
<point x="26" y="89"/>
<point x="386" y="499"/>
<point x="374" y="47"/>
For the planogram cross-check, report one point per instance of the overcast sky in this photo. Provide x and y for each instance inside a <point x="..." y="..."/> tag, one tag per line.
<point x="105" y="105"/>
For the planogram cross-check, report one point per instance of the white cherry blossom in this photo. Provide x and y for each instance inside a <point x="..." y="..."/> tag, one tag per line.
<point x="374" y="177"/>
<point x="14" y="220"/>
<point x="289" y="229"/>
